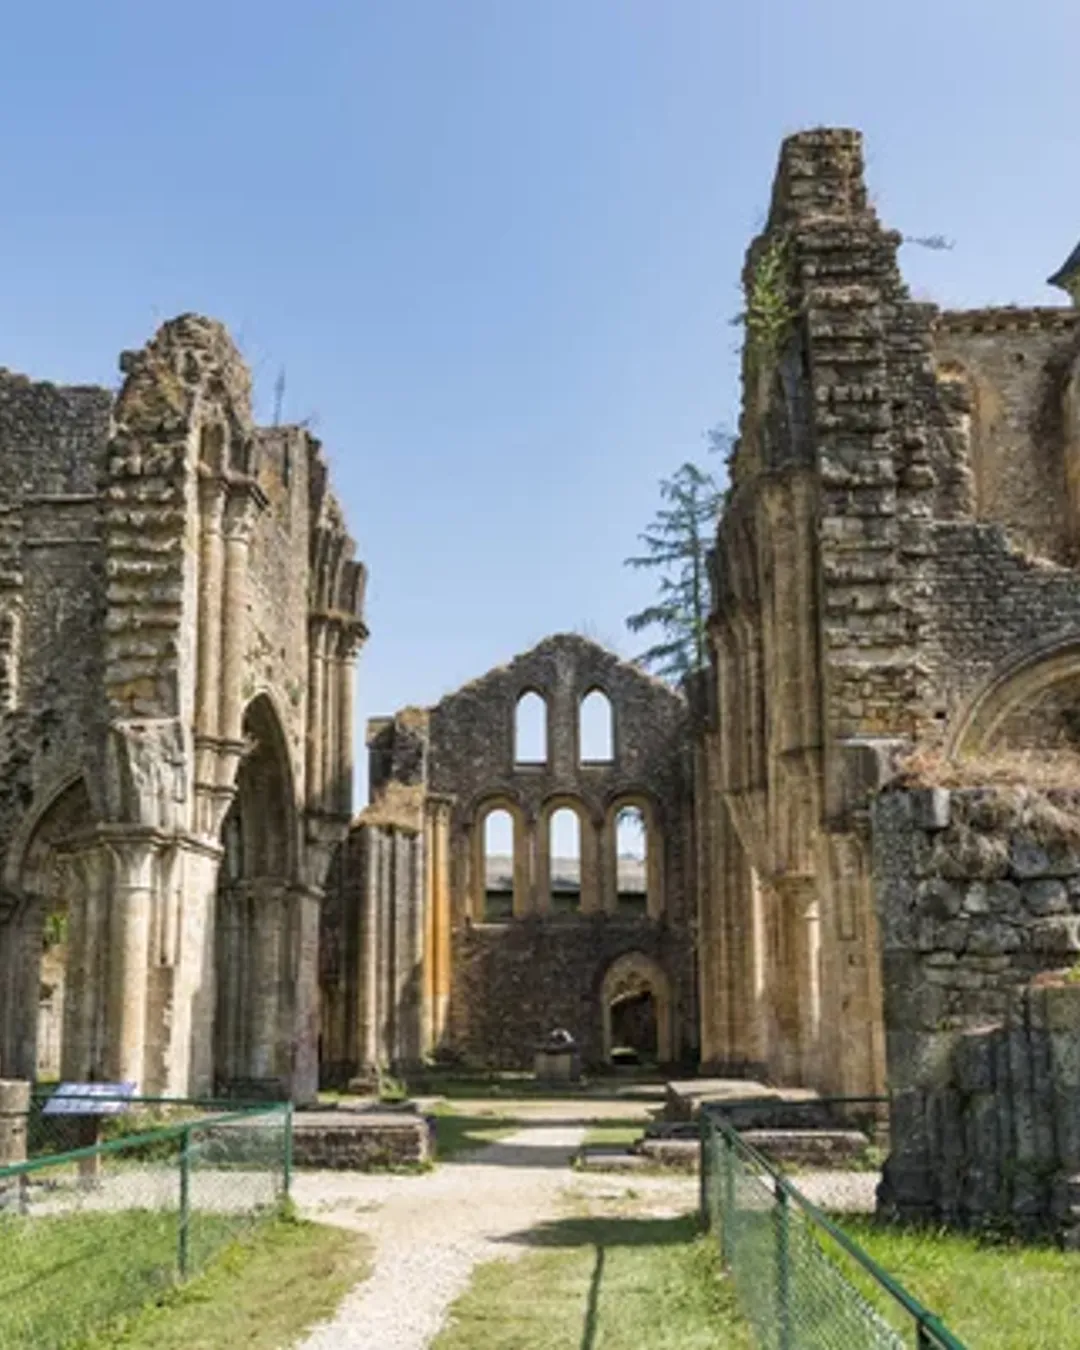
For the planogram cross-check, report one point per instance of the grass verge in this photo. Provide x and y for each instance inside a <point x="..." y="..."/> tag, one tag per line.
<point x="996" y="1296"/>
<point x="613" y="1133"/>
<point x="262" y="1293"/>
<point x="457" y="1132"/>
<point x="601" y="1284"/>
<point x="90" y="1281"/>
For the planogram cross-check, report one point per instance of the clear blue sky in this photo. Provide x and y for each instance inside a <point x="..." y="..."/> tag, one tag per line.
<point x="495" y="244"/>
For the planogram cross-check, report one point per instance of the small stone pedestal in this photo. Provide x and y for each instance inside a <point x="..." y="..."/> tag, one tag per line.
<point x="14" y="1106"/>
<point x="557" y="1060"/>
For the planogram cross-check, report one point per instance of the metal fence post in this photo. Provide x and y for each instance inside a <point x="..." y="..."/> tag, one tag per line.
<point x="727" y="1220"/>
<point x="287" y="1160"/>
<point x="783" y="1269"/>
<point x="185" y="1203"/>
<point x="704" y="1171"/>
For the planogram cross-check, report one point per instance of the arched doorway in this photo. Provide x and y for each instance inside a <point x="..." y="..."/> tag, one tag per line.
<point x="38" y="930"/>
<point x="636" y="1010"/>
<point x="252" y="1025"/>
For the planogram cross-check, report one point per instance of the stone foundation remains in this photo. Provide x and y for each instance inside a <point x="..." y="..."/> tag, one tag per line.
<point x="979" y="905"/>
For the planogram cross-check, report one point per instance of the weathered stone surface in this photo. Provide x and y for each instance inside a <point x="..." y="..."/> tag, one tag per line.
<point x="984" y="1043"/>
<point x="362" y="1141"/>
<point x="479" y="958"/>
<point x="179" y="615"/>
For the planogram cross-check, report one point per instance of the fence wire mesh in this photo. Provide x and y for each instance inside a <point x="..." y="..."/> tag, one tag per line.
<point x="94" y="1234"/>
<point x="799" y="1281"/>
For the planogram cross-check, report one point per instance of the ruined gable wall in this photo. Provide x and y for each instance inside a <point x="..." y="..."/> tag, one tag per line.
<point x="512" y="982"/>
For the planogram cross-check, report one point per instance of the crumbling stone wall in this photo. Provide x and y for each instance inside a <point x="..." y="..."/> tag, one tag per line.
<point x="179" y="617"/>
<point x="892" y="577"/>
<point x="979" y="902"/>
<point x="441" y="978"/>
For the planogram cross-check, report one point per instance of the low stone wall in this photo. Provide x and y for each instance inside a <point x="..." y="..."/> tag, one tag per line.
<point x="978" y="894"/>
<point x="361" y="1141"/>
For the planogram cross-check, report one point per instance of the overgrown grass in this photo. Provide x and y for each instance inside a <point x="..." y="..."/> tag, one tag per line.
<point x="993" y="1296"/>
<point x="262" y="1294"/>
<point x="601" y="1284"/>
<point x="457" y="1132"/>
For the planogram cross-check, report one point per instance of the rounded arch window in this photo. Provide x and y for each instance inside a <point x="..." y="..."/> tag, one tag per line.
<point x="530" y="729"/>
<point x="631" y="862"/>
<point x="596" y="729"/>
<point x="564" y="860"/>
<point x="498" y="879"/>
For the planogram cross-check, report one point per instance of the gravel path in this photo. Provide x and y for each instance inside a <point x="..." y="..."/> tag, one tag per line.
<point x="431" y="1230"/>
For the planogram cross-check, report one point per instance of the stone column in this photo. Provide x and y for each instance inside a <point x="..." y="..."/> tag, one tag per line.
<point x="316" y="730"/>
<point x="304" y="1031"/>
<point x="129" y="935"/>
<point x="210" y="630"/>
<point x="267" y="973"/>
<point x="368" y="944"/>
<point x="346" y="677"/>
<point x="240" y="512"/>
<point x="328" y="798"/>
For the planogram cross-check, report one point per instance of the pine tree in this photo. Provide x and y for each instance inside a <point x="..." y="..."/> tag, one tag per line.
<point x="677" y="542"/>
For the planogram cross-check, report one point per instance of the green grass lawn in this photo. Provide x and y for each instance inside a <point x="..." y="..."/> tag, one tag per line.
<point x="613" y="1133"/>
<point x="601" y="1284"/>
<point x="67" y="1278"/>
<point x="992" y="1296"/>
<point x="458" y="1132"/>
<point x="262" y="1294"/>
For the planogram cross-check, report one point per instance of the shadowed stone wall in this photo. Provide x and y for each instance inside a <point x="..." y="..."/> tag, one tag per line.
<point x="979" y="902"/>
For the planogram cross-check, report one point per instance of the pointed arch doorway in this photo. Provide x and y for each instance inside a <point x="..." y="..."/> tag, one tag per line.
<point x="636" y="1009"/>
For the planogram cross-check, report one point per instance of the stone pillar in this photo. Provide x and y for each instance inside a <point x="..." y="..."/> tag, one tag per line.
<point x="14" y="1106"/>
<point x="210" y="631"/>
<point x="368" y="944"/>
<point x="129" y="937"/>
<point x="86" y="992"/>
<point x="304" y="1032"/>
<point x="267" y="974"/>
<point x="316" y="730"/>
<point x="346" y="681"/>
<point x="239" y="520"/>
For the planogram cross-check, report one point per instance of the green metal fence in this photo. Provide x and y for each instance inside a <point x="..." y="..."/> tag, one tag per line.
<point x="94" y="1234"/>
<point x="800" y="1281"/>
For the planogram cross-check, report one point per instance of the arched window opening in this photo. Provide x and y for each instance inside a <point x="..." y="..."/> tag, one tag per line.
<point x="564" y="852"/>
<point x="596" y="738"/>
<point x="498" y="866"/>
<point x="631" y="863"/>
<point x="530" y="730"/>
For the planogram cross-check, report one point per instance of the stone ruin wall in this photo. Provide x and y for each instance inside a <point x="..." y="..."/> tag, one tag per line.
<point x="439" y="977"/>
<point x="179" y="613"/>
<point x="892" y="574"/>
<point x="978" y="894"/>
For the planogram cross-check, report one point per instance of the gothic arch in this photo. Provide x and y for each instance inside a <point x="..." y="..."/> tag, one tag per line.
<point x="632" y="976"/>
<point x="257" y="882"/>
<point x="1018" y="685"/>
<point x="39" y="931"/>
